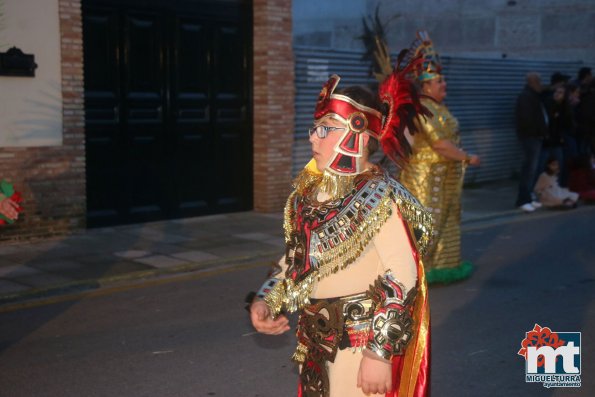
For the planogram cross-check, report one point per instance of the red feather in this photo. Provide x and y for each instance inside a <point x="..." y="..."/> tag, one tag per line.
<point x="399" y="93"/>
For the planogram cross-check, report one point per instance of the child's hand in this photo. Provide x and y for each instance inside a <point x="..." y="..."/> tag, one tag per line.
<point x="260" y="314"/>
<point x="375" y="374"/>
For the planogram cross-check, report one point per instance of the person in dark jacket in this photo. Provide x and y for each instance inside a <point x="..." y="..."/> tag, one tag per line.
<point x="561" y="126"/>
<point x="586" y="120"/>
<point x="532" y="128"/>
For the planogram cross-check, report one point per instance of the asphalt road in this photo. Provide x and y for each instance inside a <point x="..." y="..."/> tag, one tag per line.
<point x="190" y="336"/>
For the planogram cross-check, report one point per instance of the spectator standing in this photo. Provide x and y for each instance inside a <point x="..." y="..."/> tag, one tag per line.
<point x="570" y="139"/>
<point x="560" y="130"/>
<point x="584" y="116"/>
<point x="532" y="128"/>
<point x="586" y="120"/>
<point x="584" y="78"/>
<point x="557" y="80"/>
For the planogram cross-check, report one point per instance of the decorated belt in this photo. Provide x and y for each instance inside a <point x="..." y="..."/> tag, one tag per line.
<point x="325" y="326"/>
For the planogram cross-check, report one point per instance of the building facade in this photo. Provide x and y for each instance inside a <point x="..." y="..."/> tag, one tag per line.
<point x="486" y="47"/>
<point x="145" y="110"/>
<point x="544" y="30"/>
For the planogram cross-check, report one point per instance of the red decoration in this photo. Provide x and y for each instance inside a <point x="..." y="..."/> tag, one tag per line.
<point x="540" y="337"/>
<point x="9" y="192"/>
<point x="400" y="95"/>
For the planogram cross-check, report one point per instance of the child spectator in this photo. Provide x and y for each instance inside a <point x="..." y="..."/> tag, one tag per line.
<point x="549" y="192"/>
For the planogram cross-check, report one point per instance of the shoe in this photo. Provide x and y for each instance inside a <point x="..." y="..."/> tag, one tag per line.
<point x="536" y="204"/>
<point x="528" y="207"/>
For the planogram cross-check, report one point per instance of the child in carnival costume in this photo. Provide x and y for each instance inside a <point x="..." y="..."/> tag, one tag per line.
<point x="354" y="238"/>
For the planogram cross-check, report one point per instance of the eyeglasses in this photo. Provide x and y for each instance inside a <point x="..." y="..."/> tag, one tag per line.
<point x="323" y="130"/>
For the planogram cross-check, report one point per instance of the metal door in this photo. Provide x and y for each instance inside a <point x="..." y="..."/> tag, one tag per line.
<point x="168" y="122"/>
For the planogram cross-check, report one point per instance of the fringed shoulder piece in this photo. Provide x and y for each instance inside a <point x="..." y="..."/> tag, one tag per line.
<point x="416" y="215"/>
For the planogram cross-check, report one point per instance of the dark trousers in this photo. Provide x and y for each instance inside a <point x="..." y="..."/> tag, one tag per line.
<point x="531" y="150"/>
<point x="548" y="152"/>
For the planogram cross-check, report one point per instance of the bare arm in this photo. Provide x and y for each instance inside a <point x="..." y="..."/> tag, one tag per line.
<point x="447" y="149"/>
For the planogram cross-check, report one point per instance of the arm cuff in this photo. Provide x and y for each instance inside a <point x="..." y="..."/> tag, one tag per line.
<point x="273" y="293"/>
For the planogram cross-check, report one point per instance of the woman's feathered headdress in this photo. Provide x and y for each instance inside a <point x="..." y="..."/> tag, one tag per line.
<point x="423" y="47"/>
<point x="396" y="90"/>
<point x="399" y="94"/>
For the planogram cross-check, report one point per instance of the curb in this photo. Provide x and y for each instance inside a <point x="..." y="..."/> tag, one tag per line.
<point x="513" y="216"/>
<point x="87" y="285"/>
<point x="489" y="217"/>
<point x="92" y="284"/>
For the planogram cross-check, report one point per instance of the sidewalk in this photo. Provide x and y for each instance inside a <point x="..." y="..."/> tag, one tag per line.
<point x="100" y="257"/>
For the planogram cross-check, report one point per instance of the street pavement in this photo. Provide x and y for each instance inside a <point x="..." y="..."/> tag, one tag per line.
<point x="189" y="335"/>
<point x="103" y="257"/>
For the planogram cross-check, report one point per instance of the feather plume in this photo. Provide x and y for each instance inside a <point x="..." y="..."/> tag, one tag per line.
<point x="374" y="39"/>
<point x="400" y="96"/>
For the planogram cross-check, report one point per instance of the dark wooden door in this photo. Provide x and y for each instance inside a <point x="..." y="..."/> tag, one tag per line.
<point x="168" y="121"/>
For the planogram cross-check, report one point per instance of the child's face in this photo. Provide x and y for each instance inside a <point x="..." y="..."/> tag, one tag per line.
<point x="554" y="166"/>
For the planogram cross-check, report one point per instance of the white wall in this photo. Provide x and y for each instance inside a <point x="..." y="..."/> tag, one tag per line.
<point x="31" y="107"/>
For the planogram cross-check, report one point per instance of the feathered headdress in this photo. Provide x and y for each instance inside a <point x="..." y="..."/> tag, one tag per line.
<point x="401" y="103"/>
<point x="423" y="47"/>
<point x="374" y="40"/>
<point x="358" y="120"/>
<point x="396" y="88"/>
<point x="400" y="97"/>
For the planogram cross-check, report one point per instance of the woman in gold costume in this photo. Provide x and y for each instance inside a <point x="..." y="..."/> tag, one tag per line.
<point x="434" y="173"/>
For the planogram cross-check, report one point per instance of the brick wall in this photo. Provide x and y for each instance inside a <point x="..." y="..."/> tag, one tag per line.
<point x="52" y="179"/>
<point x="273" y="103"/>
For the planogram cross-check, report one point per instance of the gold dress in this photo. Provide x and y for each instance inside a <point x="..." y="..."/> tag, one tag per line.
<point x="437" y="183"/>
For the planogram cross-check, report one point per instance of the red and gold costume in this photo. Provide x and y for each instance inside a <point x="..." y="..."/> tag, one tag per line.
<point x="352" y="265"/>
